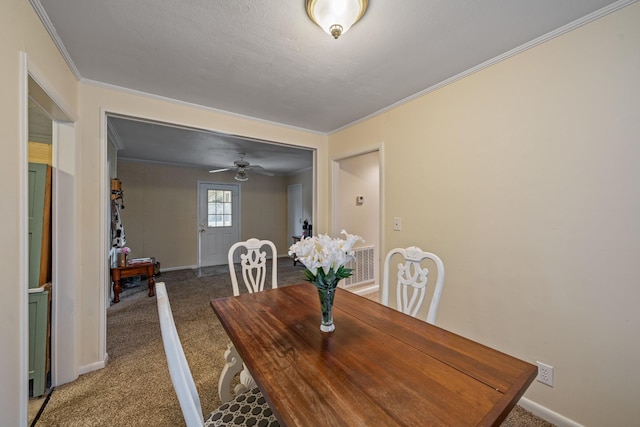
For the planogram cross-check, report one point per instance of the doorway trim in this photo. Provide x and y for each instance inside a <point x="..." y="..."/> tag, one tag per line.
<point x="64" y="366"/>
<point x="104" y="220"/>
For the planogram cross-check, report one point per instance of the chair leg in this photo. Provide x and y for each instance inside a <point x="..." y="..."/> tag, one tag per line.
<point x="246" y="382"/>
<point x="231" y="368"/>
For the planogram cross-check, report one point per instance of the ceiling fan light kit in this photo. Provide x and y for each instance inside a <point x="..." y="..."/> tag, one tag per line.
<point x="335" y="17"/>
<point x="241" y="176"/>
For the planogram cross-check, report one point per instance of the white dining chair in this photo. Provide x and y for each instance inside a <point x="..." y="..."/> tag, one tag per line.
<point x="253" y="264"/>
<point x="412" y="281"/>
<point x="248" y="409"/>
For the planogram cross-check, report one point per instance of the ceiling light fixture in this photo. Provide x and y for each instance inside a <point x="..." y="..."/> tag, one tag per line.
<point x="336" y="16"/>
<point x="241" y="175"/>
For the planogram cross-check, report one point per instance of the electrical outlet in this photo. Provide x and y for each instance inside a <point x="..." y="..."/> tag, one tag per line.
<point x="397" y="223"/>
<point x="545" y="374"/>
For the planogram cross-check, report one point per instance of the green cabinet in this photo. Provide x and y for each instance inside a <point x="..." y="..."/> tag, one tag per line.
<point x="38" y="315"/>
<point x="37" y="202"/>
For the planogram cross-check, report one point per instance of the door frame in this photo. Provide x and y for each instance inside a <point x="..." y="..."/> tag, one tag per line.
<point x="335" y="205"/>
<point x="319" y="190"/>
<point x="64" y="364"/>
<point x="199" y="206"/>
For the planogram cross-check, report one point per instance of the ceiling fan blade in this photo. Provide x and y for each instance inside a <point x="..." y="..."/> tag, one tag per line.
<point x="260" y="170"/>
<point x="221" y="170"/>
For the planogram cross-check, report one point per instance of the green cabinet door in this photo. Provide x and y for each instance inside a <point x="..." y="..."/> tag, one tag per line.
<point x="37" y="188"/>
<point x="38" y="315"/>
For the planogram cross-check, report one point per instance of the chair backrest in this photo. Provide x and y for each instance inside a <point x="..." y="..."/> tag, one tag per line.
<point x="412" y="281"/>
<point x="254" y="265"/>
<point x="179" y="370"/>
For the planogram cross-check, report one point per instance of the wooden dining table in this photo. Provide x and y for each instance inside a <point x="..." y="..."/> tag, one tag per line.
<point x="379" y="367"/>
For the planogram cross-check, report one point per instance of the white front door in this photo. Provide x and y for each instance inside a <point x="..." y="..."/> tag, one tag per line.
<point x="218" y="221"/>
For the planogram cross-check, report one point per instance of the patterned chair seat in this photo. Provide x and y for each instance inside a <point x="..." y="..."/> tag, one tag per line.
<point x="247" y="409"/>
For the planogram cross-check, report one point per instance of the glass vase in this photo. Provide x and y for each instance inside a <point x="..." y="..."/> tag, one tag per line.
<point x="326" y="295"/>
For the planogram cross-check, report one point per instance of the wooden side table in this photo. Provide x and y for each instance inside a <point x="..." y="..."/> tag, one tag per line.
<point x="132" y="270"/>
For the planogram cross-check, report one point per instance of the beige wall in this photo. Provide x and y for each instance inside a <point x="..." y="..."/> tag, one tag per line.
<point x="359" y="175"/>
<point x="95" y="101"/>
<point x="524" y="178"/>
<point x="20" y="32"/>
<point x="161" y="215"/>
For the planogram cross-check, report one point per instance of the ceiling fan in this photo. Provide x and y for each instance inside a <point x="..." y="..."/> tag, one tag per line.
<point x="242" y="167"/>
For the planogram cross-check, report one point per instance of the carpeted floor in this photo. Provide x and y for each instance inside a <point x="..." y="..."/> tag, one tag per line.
<point x="134" y="389"/>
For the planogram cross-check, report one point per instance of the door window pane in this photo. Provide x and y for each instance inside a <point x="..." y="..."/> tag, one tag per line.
<point x="219" y="210"/>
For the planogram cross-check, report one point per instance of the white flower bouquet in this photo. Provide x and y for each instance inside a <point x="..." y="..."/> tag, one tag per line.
<point x="325" y="257"/>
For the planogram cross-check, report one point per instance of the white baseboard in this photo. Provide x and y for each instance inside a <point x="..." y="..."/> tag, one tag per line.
<point x="365" y="289"/>
<point x="192" y="267"/>
<point x="547" y="414"/>
<point x="92" y="367"/>
<point x="184" y="267"/>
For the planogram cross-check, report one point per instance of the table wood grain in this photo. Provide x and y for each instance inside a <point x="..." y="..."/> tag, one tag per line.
<point x="379" y="367"/>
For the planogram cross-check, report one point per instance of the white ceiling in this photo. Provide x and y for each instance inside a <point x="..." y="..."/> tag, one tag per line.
<point x="267" y="60"/>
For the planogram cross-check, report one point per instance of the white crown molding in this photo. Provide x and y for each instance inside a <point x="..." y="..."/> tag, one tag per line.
<point x="198" y="106"/>
<point x="161" y="163"/>
<point x="535" y="42"/>
<point x="114" y="136"/>
<point x="299" y="171"/>
<point x="48" y="25"/>
<point x="40" y="11"/>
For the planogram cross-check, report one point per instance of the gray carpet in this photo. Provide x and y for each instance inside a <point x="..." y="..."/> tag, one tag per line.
<point x="134" y="389"/>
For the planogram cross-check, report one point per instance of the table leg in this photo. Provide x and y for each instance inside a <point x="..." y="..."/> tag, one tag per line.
<point x="117" y="288"/>
<point x="151" y="282"/>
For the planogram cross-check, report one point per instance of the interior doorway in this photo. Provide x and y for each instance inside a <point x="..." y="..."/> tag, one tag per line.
<point x="145" y="140"/>
<point x="50" y="139"/>
<point x="39" y="239"/>
<point x="357" y="207"/>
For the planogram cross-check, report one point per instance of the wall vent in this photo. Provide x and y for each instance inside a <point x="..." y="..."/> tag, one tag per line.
<point x="363" y="267"/>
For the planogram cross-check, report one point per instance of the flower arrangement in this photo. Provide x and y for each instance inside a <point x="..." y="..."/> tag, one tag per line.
<point x="125" y="250"/>
<point x="324" y="259"/>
